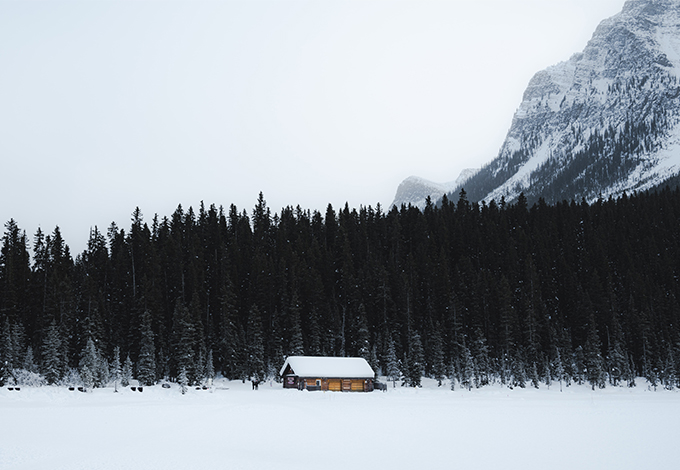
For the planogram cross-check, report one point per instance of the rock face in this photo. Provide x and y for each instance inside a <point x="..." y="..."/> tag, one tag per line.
<point x="601" y="123"/>
<point x="415" y="191"/>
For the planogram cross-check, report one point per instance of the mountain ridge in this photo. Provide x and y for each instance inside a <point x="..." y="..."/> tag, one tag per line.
<point x="604" y="122"/>
<point x="601" y="123"/>
<point x="415" y="190"/>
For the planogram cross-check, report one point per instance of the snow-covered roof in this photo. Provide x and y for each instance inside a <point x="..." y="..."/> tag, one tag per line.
<point x="329" y="367"/>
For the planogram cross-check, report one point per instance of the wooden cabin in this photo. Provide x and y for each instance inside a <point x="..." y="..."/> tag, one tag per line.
<point x="335" y="374"/>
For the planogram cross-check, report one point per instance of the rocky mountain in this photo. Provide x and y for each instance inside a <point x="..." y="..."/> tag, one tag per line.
<point x="601" y="123"/>
<point x="415" y="190"/>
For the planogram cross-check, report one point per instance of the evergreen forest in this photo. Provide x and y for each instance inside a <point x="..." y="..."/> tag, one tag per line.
<point x="472" y="293"/>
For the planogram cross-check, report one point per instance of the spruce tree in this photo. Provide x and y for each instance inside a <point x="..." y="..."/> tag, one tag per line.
<point x="373" y="361"/>
<point x="226" y="352"/>
<point x="183" y="341"/>
<point x="392" y="371"/>
<point x="593" y="357"/>
<point x="51" y="354"/>
<point x="146" y="363"/>
<point x="314" y="336"/>
<point x="183" y="380"/>
<point x="480" y="353"/>
<point x="547" y="372"/>
<point x="617" y="364"/>
<point x="437" y="353"/>
<point x="579" y="366"/>
<point x="670" y="375"/>
<point x="87" y="377"/>
<point x="255" y="346"/>
<point x="518" y="370"/>
<point x="467" y="370"/>
<point x="210" y="368"/>
<point x="200" y="371"/>
<point x="126" y="373"/>
<point x="535" y="379"/>
<point x="361" y="336"/>
<point x="115" y="368"/>
<point x="162" y="365"/>
<point x="416" y="366"/>
<point x="295" y="345"/>
<point x="18" y="341"/>
<point x="617" y="360"/>
<point x="90" y="358"/>
<point x="6" y="354"/>
<point x="559" y="367"/>
<point x="29" y="361"/>
<point x="630" y="380"/>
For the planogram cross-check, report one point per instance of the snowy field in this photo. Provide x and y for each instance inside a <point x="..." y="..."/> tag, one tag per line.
<point x="233" y="427"/>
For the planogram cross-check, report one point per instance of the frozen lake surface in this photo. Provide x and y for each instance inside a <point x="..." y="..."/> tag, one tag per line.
<point x="234" y="427"/>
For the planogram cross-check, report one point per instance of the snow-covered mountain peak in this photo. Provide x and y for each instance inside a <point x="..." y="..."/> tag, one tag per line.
<point x="603" y="122"/>
<point x="415" y="190"/>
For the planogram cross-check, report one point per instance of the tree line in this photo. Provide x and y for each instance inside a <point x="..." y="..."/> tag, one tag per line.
<point x="475" y="293"/>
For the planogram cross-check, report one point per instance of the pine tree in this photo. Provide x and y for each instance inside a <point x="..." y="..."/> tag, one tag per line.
<point x="437" y="353"/>
<point x="295" y="343"/>
<point x="617" y="360"/>
<point x="467" y="370"/>
<point x="29" y="361"/>
<point x="547" y="373"/>
<point x="184" y="341"/>
<point x="392" y="371"/>
<point x="6" y="354"/>
<point x="480" y="353"/>
<point x="631" y="378"/>
<point x="200" y="372"/>
<point x="183" y="380"/>
<point x="126" y="374"/>
<point x="162" y="365"/>
<point x="51" y="354"/>
<point x="518" y="370"/>
<point x="579" y="366"/>
<point x="91" y="360"/>
<point x="87" y="377"/>
<point x="146" y="364"/>
<point x="617" y="363"/>
<point x="255" y="346"/>
<point x="593" y="357"/>
<point x="361" y="337"/>
<point x="210" y="368"/>
<point x="241" y="355"/>
<point x="14" y="275"/>
<point x="670" y="375"/>
<point x="226" y="351"/>
<point x="314" y="336"/>
<point x="416" y="361"/>
<point x="535" y="379"/>
<point x="559" y="367"/>
<point x="115" y="368"/>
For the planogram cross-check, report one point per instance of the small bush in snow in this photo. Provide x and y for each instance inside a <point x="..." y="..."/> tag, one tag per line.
<point x="28" y="378"/>
<point x="71" y="378"/>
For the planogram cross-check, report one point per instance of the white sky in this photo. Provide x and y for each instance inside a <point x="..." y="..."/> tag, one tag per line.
<point x="105" y="106"/>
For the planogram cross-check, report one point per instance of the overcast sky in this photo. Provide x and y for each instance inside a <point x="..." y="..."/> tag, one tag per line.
<point x="105" y="106"/>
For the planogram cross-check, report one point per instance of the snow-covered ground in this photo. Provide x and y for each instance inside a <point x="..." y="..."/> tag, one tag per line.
<point x="234" y="427"/>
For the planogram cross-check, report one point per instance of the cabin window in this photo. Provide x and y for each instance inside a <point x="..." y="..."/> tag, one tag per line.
<point x="318" y="382"/>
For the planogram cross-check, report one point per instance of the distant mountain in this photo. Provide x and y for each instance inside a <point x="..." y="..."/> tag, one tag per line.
<point x="415" y="191"/>
<point x="601" y="123"/>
